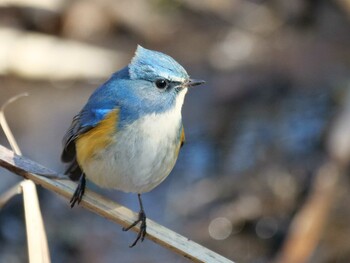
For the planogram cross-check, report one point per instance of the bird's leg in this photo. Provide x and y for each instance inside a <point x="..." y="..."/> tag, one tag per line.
<point x="79" y="191"/>
<point x="142" y="218"/>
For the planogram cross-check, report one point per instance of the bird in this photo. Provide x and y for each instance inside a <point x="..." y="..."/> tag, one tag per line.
<point x="129" y="133"/>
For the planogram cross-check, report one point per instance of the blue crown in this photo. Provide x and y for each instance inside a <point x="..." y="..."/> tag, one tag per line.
<point x="151" y="65"/>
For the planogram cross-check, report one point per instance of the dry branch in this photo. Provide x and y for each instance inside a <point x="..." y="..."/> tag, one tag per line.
<point x="106" y="208"/>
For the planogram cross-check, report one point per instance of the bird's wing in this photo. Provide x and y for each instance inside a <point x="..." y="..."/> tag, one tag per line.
<point x="100" y="104"/>
<point x="69" y="153"/>
<point x="75" y="129"/>
<point x="96" y="109"/>
<point x="82" y="123"/>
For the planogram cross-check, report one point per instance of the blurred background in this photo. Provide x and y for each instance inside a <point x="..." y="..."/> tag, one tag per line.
<point x="277" y="76"/>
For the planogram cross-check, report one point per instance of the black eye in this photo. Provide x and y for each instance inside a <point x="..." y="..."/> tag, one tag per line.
<point x="162" y="83"/>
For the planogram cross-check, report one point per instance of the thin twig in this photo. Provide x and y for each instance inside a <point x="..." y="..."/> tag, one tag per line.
<point x="5" y="126"/>
<point x="108" y="209"/>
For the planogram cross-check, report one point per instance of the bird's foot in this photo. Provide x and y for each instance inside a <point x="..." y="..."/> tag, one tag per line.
<point x="79" y="191"/>
<point x="142" y="232"/>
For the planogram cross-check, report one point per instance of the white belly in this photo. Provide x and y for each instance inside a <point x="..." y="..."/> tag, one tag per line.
<point x="142" y="155"/>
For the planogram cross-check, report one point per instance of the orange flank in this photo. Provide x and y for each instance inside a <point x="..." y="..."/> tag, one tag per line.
<point x="182" y="141"/>
<point x="182" y="138"/>
<point x="99" y="137"/>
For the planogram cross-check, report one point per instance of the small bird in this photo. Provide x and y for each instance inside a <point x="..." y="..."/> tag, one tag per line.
<point x="129" y="133"/>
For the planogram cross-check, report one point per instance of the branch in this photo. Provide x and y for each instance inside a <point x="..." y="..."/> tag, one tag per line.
<point x="106" y="208"/>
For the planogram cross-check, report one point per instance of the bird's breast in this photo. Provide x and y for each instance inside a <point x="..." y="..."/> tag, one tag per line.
<point x="140" y="155"/>
<point x="137" y="156"/>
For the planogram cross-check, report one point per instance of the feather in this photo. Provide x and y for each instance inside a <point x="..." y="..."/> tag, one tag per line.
<point x="69" y="153"/>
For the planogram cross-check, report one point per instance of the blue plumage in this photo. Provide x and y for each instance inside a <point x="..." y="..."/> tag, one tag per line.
<point x="150" y="65"/>
<point x="129" y="133"/>
<point x="132" y="89"/>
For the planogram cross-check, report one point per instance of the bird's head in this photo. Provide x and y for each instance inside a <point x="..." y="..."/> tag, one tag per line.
<point x="159" y="81"/>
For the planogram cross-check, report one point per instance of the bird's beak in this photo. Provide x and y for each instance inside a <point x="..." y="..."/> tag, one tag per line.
<point x="194" y="82"/>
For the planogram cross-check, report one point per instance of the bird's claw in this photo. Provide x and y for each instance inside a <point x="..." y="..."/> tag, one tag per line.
<point x="142" y="232"/>
<point x="79" y="192"/>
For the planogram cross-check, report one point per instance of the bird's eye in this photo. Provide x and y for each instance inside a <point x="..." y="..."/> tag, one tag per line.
<point x="162" y="83"/>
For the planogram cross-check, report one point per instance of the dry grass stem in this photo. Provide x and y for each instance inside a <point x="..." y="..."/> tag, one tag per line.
<point x="38" y="250"/>
<point x="5" y="126"/>
<point x="36" y="236"/>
